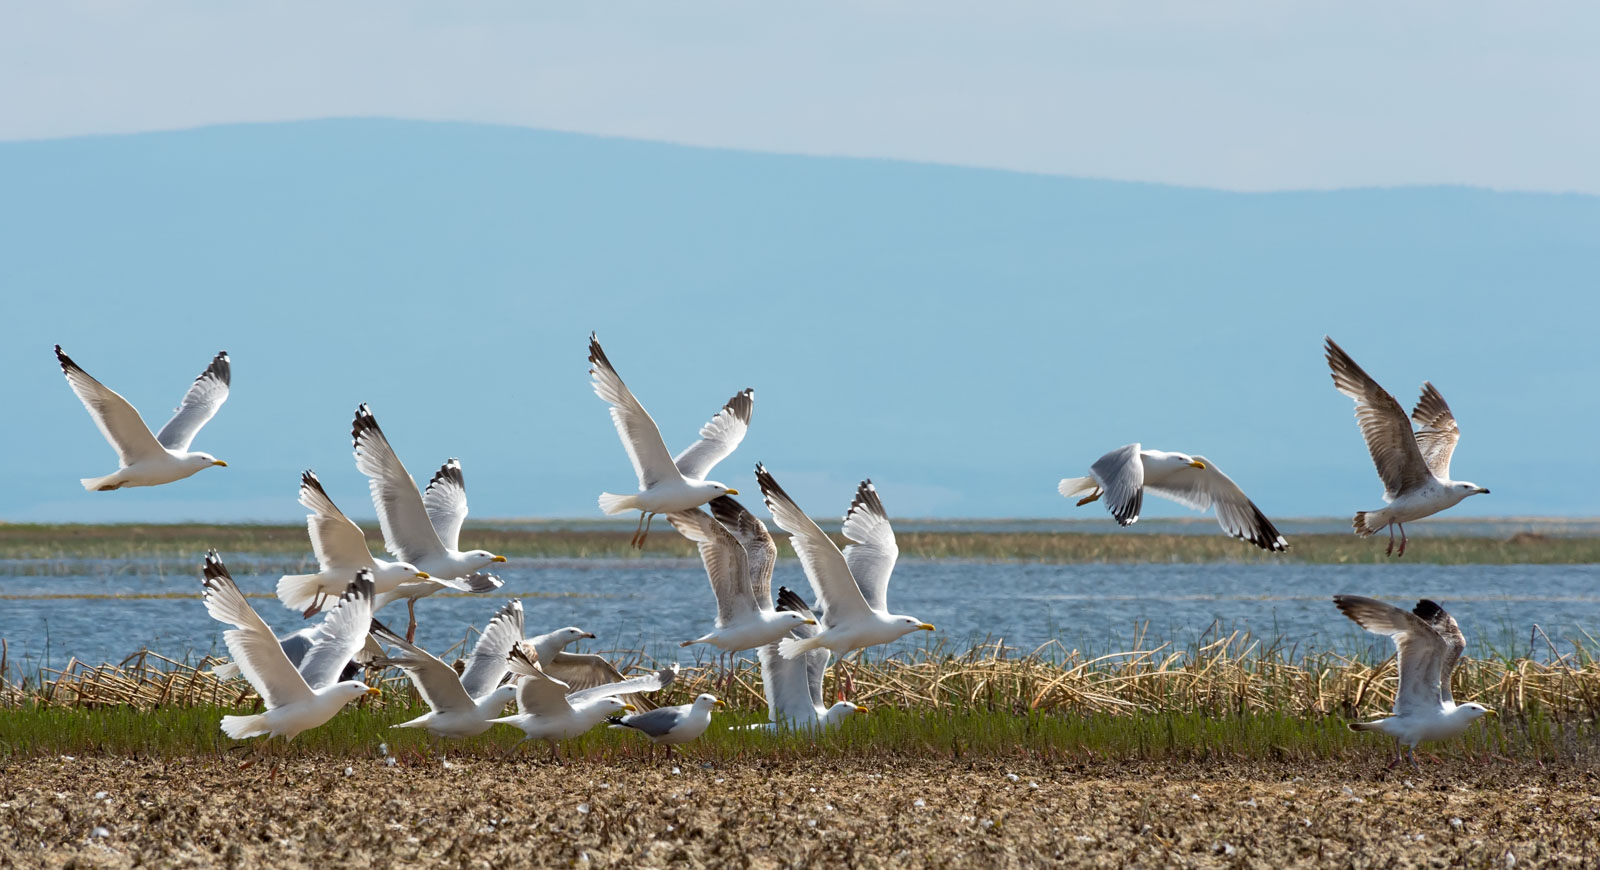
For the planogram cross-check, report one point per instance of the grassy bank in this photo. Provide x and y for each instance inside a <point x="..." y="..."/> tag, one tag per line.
<point x="182" y="542"/>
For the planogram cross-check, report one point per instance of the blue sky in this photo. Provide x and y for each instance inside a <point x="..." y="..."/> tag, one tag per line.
<point x="1235" y="95"/>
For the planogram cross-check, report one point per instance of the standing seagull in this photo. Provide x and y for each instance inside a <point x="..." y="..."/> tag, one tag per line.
<point x="341" y="550"/>
<point x="745" y="616"/>
<point x="145" y="459"/>
<point x="670" y="726"/>
<point x="548" y="710"/>
<point x="851" y="587"/>
<point x="794" y="686"/>
<point x="295" y="699"/>
<point x="1414" y="467"/>
<point x="1428" y="644"/>
<point x="1124" y="474"/>
<point x="423" y="530"/>
<point x="666" y="483"/>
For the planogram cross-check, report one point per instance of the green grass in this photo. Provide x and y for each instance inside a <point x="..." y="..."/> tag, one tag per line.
<point x="888" y="733"/>
<point x="182" y="544"/>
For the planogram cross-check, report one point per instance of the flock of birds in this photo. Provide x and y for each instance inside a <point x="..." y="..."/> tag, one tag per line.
<point x="305" y="678"/>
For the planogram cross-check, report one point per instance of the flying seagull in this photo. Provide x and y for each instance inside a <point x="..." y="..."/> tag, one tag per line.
<point x="1124" y="474"/>
<point x="465" y="704"/>
<point x="1428" y="644"/>
<point x="666" y="483"/>
<point x="852" y="587"/>
<point x="670" y="726"/>
<point x="794" y="686"/>
<point x="742" y="586"/>
<point x="1414" y="466"/>
<point x="145" y="459"/>
<point x="422" y="529"/>
<point x="341" y="550"/>
<point x="548" y="710"/>
<point x="295" y="699"/>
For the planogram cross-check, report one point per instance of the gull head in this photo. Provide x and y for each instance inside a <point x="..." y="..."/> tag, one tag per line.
<point x="1474" y="710"/>
<point x="706" y="702"/>
<point x="571" y="635"/>
<point x="483" y="556"/>
<point x="791" y="619"/>
<point x="912" y="623"/>
<point x="612" y="707"/>
<point x="349" y="690"/>
<point x="846" y="708"/>
<point x="203" y="460"/>
<point x="1465" y="489"/>
<point x="409" y="569"/>
<point x="715" y="489"/>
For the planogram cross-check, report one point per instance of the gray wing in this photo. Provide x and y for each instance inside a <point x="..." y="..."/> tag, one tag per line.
<point x="727" y="565"/>
<point x="1383" y="423"/>
<point x="656" y="723"/>
<point x="487" y="663"/>
<point x="1420" y="650"/>
<point x="445" y="500"/>
<point x="1202" y="488"/>
<point x="835" y="587"/>
<point x="1455" y="642"/>
<point x="718" y="438"/>
<point x="817" y="659"/>
<point x="117" y="420"/>
<point x="872" y="552"/>
<point x="1121" y="474"/>
<point x="1437" y="432"/>
<point x="436" y="681"/>
<point x="649" y="683"/>
<point x="582" y="670"/>
<point x="759" y="548"/>
<point x="254" y="648"/>
<point x="537" y="692"/>
<point x="407" y="531"/>
<point x="199" y="405"/>
<point x="341" y="634"/>
<point x="640" y="436"/>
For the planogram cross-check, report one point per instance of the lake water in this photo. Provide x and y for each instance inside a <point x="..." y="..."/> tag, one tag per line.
<point x="49" y="616"/>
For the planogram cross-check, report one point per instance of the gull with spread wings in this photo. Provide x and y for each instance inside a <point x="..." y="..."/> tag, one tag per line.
<point x="1414" y="466"/>
<point x="341" y="550"/>
<point x="548" y="709"/>
<point x="145" y="459"/>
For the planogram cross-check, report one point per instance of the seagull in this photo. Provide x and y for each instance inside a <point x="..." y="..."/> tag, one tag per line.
<point x="295" y="699"/>
<point x="1124" y="474"/>
<point x="742" y="586"/>
<point x="794" y="686"/>
<point x="666" y="483"/>
<point x="465" y="704"/>
<point x="341" y="550"/>
<point x="670" y="726"/>
<point x="547" y="710"/>
<point x="852" y="587"/>
<point x="422" y="529"/>
<point x="1414" y="466"/>
<point x="578" y="670"/>
<point x="295" y="645"/>
<point x="1428" y="644"/>
<point x="145" y="459"/>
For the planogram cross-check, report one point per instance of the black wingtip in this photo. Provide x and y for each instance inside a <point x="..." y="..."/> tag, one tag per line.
<point x="450" y="471"/>
<point x="1428" y="609"/>
<point x="788" y="599"/>
<point x="364" y="422"/>
<point x="383" y="632"/>
<point x="67" y="365"/>
<point x="213" y="568"/>
<point x="866" y="500"/>
<point x="742" y="405"/>
<point x="616" y="720"/>
<point x="597" y="356"/>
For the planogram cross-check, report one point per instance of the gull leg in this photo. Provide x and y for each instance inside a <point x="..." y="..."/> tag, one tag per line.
<point x="647" y="520"/>
<point x="638" y="539"/>
<point x="1411" y="753"/>
<point x="1091" y="497"/>
<point x="555" y="756"/>
<point x="1402" y="540"/>
<point x="1389" y="550"/>
<point x="411" y="629"/>
<point x="316" y="605"/>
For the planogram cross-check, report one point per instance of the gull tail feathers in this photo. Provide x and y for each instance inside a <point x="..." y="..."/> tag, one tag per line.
<point x="1071" y="486"/>
<point x="299" y="591"/>
<point x="1369" y="523"/>
<point x="795" y="647"/>
<point x="240" y="727"/>
<point x="1364" y="726"/>
<point x="612" y="503"/>
<point x="226" y="671"/>
<point x="101" y="484"/>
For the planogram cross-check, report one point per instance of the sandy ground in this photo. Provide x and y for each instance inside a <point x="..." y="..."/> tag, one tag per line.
<point x="109" y="812"/>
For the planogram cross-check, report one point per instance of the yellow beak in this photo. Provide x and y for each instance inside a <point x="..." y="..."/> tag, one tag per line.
<point x="219" y="462"/>
<point x="1489" y="712"/>
<point x="926" y="626"/>
<point x="861" y="710"/>
<point x="733" y="492"/>
<point x="809" y="622"/>
<point x="1195" y="463"/>
<point x="374" y="691"/>
<point x="422" y="575"/>
<point x="719" y="703"/>
<point x="498" y="559"/>
<point x="629" y="707"/>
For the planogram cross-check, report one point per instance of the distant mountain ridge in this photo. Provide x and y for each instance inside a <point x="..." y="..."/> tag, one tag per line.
<point x="964" y="337"/>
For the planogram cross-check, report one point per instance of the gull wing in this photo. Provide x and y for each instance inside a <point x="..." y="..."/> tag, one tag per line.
<point x="1437" y="432"/>
<point x="341" y="634"/>
<point x="1420" y="650"/>
<point x="656" y="723"/>
<point x="1455" y="642"/>
<point x="199" y="405"/>
<point x="117" y="420"/>
<point x="538" y="693"/>
<point x="1383" y="423"/>
<point x="251" y="643"/>
<point x="1203" y="488"/>
<point x="727" y="565"/>
<point x="445" y="501"/>
<point x="407" y="531"/>
<point x="640" y="436"/>
<point x="873" y="551"/>
<point x="649" y="683"/>
<point x="759" y="548"/>
<point x="337" y="542"/>
<point x="718" y="437"/>
<point x="436" y="681"/>
<point x="831" y="581"/>
<point x="1121" y="474"/>
<point x="488" y="661"/>
<point x="817" y="659"/>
